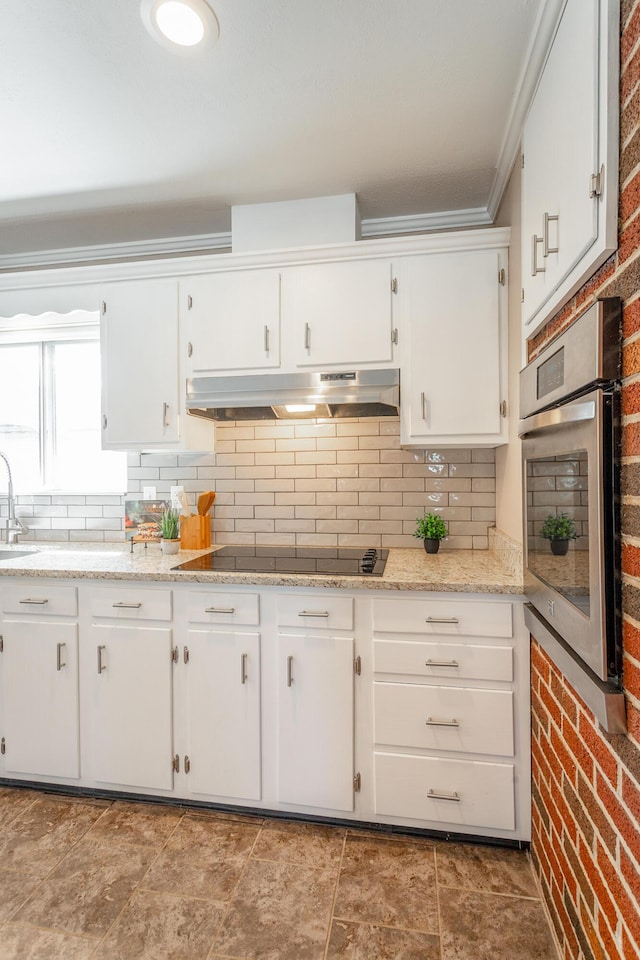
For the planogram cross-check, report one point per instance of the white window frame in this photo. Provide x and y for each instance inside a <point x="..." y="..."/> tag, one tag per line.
<point x="49" y="329"/>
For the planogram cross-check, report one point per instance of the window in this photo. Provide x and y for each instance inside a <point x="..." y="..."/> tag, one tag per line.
<point x="50" y="406"/>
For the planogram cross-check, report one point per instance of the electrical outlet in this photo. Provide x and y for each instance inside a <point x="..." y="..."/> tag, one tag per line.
<point x="174" y="493"/>
<point x="148" y="493"/>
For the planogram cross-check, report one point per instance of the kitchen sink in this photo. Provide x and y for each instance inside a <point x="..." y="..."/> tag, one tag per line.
<point x="13" y="554"/>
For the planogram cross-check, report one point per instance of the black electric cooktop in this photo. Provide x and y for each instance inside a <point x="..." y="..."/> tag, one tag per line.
<point x="321" y="561"/>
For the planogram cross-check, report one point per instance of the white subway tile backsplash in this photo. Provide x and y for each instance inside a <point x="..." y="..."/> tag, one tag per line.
<point x="343" y="483"/>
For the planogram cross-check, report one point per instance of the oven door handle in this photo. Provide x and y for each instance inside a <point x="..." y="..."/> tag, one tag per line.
<point x="558" y="417"/>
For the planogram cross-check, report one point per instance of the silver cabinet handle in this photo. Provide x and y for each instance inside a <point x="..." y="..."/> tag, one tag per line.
<point x="430" y="722"/>
<point x="243" y="667"/>
<point x="104" y="421"/>
<point x="313" y="613"/>
<point x="546" y="249"/>
<point x="423" y="405"/>
<point x="38" y="603"/>
<point x="165" y="412"/>
<point x="60" y="663"/>
<point x="289" y="671"/>
<point x="122" y="605"/>
<point x="266" y="338"/>
<point x="535" y="269"/>
<point x="101" y="665"/>
<point x="219" y="609"/>
<point x="307" y="337"/>
<point x="435" y="795"/>
<point x="441" y="663"/>
<point x="441" y="620"/>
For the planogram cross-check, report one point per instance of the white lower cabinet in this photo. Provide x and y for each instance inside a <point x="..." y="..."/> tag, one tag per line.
<point x="404" y="709"/>
<point x="315" y="720"/>
<point x="127" y="682"/>
<point x="451" y="704"/>
<point x="39" y="691"/>
<point x="462" y="793"/>
<point x="222" y="672"/>
<point x="131" y="705"/>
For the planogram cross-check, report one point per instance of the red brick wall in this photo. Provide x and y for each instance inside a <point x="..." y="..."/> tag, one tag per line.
<point x="586" y="785"/>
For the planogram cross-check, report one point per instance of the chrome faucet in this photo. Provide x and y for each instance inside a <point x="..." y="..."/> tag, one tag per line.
<point x="13" y="526"/>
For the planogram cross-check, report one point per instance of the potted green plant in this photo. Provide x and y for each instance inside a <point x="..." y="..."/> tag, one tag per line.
<point x="559" y="529"/>
<point x="170" y="530"/>
<point x="430" y="528"/>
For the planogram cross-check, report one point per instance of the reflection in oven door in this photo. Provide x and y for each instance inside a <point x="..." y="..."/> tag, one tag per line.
<point x="570" y="518"/>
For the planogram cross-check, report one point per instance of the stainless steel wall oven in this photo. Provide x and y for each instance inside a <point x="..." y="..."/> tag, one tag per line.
<point x="569" y="402"/>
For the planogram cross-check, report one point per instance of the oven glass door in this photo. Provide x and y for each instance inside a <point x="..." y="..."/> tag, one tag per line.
<point x="563" y="481"/>
<point x="558" y="504"/>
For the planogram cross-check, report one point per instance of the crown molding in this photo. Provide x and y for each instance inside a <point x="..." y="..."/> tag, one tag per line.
<point x="425" y="222"/>
<point x="216" y="243"/>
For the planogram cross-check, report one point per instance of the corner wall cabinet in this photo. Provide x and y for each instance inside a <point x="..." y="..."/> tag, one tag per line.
<point x="570" y="161"/>
<point x="410" y="710"/>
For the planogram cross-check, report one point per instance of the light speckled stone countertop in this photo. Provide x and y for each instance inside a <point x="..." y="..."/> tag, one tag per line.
<point x="463" y="571"/>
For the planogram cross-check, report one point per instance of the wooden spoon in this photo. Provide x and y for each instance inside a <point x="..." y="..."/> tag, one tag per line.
<point x="205" y="502"/>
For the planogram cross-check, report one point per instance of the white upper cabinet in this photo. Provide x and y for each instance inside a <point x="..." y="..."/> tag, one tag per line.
<point x="453" y="387"/>
<point x="231" y="321"/>
<point x="570" y="161"/>
<point x="338" y="314"/>
<point x="142" y="388"/>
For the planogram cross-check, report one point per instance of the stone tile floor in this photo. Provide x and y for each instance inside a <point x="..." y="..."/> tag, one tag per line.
<point x="82" y="878"/>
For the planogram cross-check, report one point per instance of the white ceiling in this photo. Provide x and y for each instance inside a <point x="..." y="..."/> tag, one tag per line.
<point x="107" y="137"/>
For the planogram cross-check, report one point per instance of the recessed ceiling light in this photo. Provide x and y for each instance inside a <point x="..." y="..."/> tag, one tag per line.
<point x="180" y="24"/>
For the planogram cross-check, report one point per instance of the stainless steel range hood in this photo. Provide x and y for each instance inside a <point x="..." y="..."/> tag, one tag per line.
<point x="362" y="393"/>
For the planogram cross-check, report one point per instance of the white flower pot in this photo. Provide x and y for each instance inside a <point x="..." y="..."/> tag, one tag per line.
<point x="170" y="546"/>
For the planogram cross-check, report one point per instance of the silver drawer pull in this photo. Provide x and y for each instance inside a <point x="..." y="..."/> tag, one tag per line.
<point x="313" y="613"/>
<point x="434" y="795"/>
<point x="219" y="609"/>
<point x="441" y="663"/>
<point x="60" y="663"/>
<point x="37" y="602"/>
<point x="289" y="671"/>
<point x="441" y="620"/>
<point x="430" y="722"/>
<point x="127" y="606"/>
<point x="243" y="667"/>
<point x="101" y="665"/>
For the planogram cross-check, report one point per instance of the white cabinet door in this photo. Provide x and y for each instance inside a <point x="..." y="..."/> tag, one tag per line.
<point x="231" y="321"/>
<point x="338" y="313"/>
<point x="315" y="721"/>
<point x="565" y="225"/>
<point x="223" y="691"/>
<point x="139" y="345"/>
<point x="456" y="367"/>
<point x="40" y="698"/>
<point x="131" y="705"/>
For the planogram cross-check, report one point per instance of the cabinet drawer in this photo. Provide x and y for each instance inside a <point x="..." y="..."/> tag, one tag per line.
<point x="443" y="659"/>
<point x="42" y="601"/>
<point x="444" y="718"/>
<point x="223" y="608"/>
<point x="315" y="612"/>
<point x="468" y="793"/>
<point x="126" y="603"/>
<point x="471" y="618"/>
